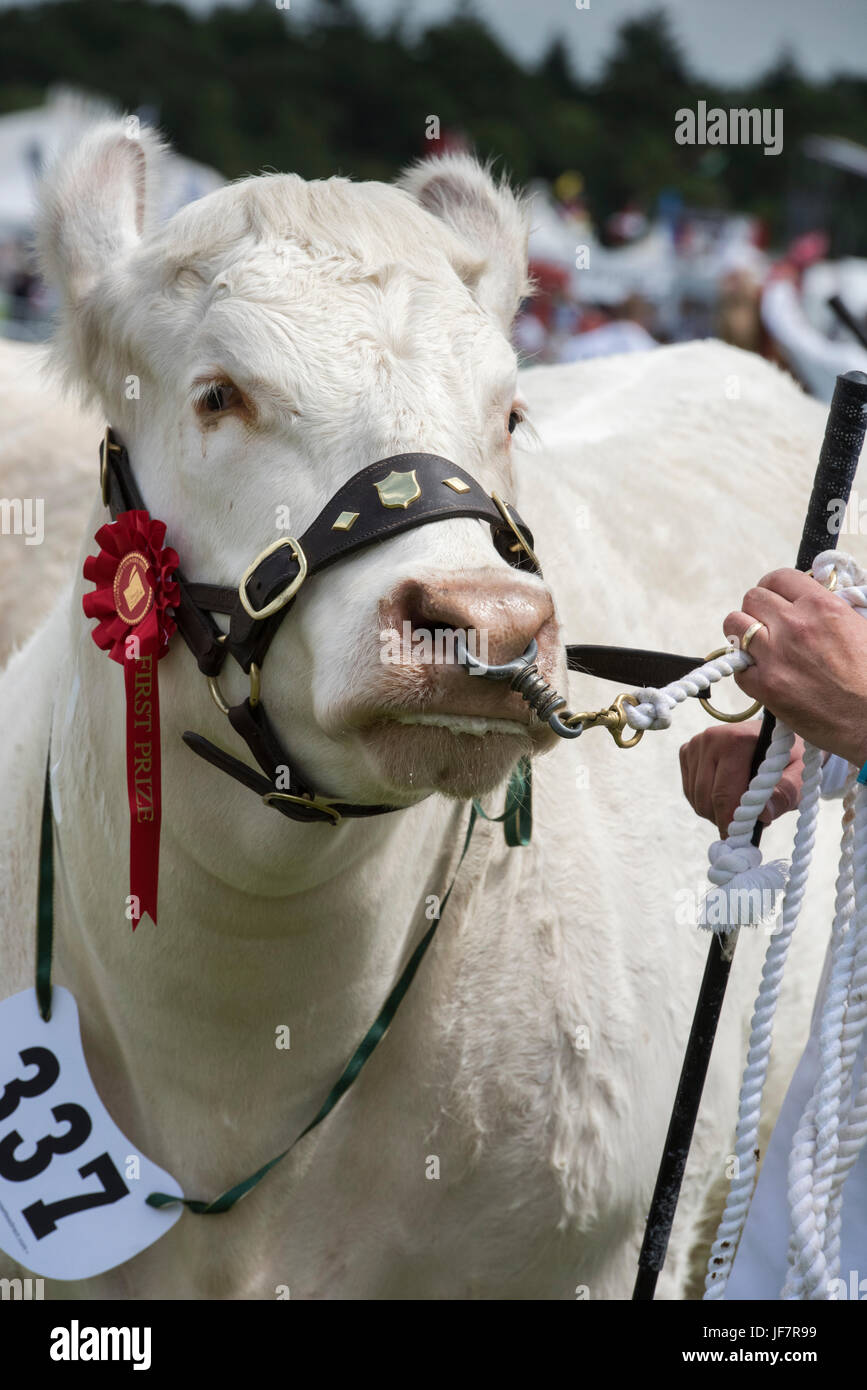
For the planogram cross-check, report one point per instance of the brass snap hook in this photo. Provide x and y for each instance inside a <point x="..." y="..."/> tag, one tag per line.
<point x="616" y="730"/>
<point x="613" y="719"/>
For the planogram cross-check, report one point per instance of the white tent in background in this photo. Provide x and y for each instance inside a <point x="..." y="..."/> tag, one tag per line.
<point x="816" y="359"/>
<point x="30" y="139"/>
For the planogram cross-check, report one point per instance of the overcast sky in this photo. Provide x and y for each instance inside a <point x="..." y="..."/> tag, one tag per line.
<point x="732" y="40"/>
<point x="729" y="39"/>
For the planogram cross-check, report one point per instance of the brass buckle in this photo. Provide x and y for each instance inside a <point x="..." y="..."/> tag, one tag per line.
<point x="255" y="685"/>
<point x="613" y="719"/>
<point x="523" y="544"/>
<point x="103" y="464"/>
<point x="721" y="714"/>
<point x="257" y="614"/>
<point x="319" y="802"/>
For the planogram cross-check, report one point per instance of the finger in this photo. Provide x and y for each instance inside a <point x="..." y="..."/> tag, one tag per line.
<point x="789" y="584"/>
<point x="693" y="753"/>
<point x="731" y="779"/>
<point x="685" y="770"/>
<point x="723" y="809"/>
<point x="765" y="605"/>
<point x="703" y="780"/>
<point x="738" y="624"/>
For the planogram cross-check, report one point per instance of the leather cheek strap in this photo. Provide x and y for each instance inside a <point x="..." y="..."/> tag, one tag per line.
<point x="195" y="624"/>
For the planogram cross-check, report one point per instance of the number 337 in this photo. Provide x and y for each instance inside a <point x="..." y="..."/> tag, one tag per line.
<point x="42" y="1218"/>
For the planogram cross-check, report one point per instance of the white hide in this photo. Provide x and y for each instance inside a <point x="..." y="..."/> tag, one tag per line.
<point x="660" y="488"/>
<point x="48" y="458"/>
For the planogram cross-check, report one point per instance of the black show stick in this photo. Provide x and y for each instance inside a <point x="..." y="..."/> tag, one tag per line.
<point x="838" y="461"/>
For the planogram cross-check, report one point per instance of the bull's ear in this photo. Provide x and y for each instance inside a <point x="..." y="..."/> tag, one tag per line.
<point x="487" y="216"/>
<point x="96" y="203"/>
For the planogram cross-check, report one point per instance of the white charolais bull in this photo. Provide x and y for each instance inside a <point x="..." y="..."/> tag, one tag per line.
<point x="284" y="334"/>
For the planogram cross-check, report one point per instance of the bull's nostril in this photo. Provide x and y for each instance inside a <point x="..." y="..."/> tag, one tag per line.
<point x="498" y="612"/>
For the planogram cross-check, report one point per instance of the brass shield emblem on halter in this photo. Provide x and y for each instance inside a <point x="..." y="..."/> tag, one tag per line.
<point x="398" y="489"/>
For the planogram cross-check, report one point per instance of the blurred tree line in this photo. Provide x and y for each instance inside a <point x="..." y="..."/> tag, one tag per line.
<point x="253" y="88"/>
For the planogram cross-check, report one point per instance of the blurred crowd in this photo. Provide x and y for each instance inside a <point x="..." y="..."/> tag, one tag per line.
<point x="672" y="273"/>
<point x="27" y="305"/>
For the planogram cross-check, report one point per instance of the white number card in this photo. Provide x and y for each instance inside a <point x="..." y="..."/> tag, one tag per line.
<point x="72" y="1188"/>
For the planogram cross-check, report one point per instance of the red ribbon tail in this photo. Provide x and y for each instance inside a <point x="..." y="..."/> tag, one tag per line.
<point x="143" y="768"/>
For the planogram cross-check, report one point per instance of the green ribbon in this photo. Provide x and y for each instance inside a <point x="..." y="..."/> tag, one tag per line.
<point x="517" y="824"/>
<point x="374" y="1035"/>
<point x="45" y="903"/>
<point x="517" y="818"/>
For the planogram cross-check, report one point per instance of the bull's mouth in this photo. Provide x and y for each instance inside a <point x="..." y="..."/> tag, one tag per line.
<point x="477" y="726"/>
<point x="456" y="754"/>
<point x="423" y="727"/>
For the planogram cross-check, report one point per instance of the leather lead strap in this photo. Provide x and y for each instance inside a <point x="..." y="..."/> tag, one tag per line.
<point x="630" y="665"/>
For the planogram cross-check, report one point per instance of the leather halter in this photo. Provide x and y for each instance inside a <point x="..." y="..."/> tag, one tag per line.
<point x="382" y="500"/>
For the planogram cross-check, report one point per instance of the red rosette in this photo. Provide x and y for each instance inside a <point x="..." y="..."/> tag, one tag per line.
<point x="132" y="603"/>
<point x="132" y="545"/>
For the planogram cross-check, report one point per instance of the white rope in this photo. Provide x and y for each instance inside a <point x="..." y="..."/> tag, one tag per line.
<point x="758" y="1056"/>
<point x="805" y="1247"/>
<point x="818" y="1165"/>
<point x="833" y="1128"/>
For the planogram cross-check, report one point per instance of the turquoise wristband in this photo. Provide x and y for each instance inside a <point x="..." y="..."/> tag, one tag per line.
<point x="862" y="775"/>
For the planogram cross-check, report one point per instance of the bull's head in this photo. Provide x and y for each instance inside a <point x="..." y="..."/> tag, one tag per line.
<point x="255" y="352"/>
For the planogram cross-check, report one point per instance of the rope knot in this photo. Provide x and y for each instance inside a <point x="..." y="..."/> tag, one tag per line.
<point x="727" y="860"/>
<point x="653" y="711"/>
<point x="746" y="891"/>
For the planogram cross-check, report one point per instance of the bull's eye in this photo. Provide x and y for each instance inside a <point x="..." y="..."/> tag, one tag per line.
<point x="217" y="396"/>
<point x="515" y="418"/>
<point x="213" y="398"/>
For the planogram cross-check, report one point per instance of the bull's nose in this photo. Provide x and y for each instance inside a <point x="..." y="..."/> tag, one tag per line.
<point x="504" y="610"/>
